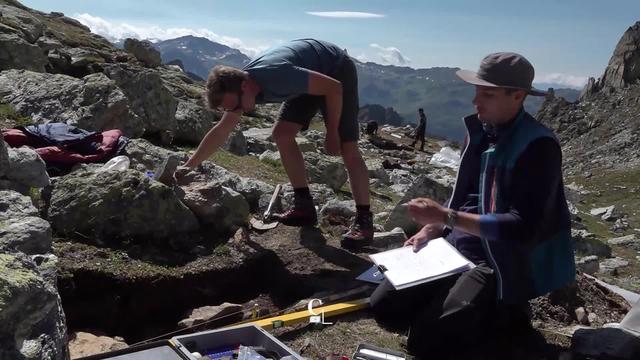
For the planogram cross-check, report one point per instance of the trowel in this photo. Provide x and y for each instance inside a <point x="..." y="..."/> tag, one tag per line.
<point x="267" y="222"/>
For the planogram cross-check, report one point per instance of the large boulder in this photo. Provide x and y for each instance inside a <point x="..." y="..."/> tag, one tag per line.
<point x="19" y="54"/>
<point x="104" y="205"/>
<point x="19" y="31"/>
<point x="424" y="186"/>
<point x="29" y="27"/>
<point x="193" y="122"/>
<point x="624" y="65"/>
<point x="32" y="324"/>
<point x="256" y="192"/>
<point x="216" y="205"/>
<point x="20" y="227"/>
<point x="92" y="103"/>
<point x="148" y="98"/>
<point x="146" y="156"/>
<point x="236" y="143"/>
<point x="27" y="168"/>
<point x="143" y="51"/>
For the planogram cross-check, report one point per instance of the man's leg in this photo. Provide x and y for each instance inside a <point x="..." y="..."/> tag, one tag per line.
<point x="464" y="317"/>
<point x="398" y="308"/>
<point x="284" y="134"/>
<point x="294" y="116"/>
<point x="361" y="232"/>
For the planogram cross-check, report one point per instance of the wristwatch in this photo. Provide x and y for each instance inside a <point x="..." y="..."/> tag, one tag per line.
<point x="451" y="219"/>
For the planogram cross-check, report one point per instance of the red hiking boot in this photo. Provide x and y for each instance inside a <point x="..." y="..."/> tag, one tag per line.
<point x="360" y="233"/>
<point x="303" y="213"/>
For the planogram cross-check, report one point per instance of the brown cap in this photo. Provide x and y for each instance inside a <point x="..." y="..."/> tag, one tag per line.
<point x="505" y="70"/>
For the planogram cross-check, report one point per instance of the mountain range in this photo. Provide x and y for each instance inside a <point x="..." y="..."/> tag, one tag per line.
<point x="445" y="98"/>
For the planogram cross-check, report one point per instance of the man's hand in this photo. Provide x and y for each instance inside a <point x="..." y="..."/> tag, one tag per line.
<point x="332" y="143"/>
<point x="426" y="234"/>
<point x="180" y="172"/>
<point x="425" y="211"/>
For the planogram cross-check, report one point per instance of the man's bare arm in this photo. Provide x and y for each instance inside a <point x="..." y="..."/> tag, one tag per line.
<point x="214" y="139"/>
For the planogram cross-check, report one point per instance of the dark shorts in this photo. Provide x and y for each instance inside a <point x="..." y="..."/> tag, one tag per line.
<point x="303" y="108"/>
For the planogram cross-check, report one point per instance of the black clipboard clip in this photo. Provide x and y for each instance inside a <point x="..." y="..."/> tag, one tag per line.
<point x="382" y="268"/>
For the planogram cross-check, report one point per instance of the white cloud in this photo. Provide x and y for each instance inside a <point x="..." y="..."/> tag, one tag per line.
<point x="567" y="80"/>
<point x="345" y="14"/>
<point x="114" y="32"/>
<point x="391" y="55"/>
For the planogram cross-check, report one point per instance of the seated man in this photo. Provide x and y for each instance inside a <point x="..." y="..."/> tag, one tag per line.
<point x="507" y="214"/>
<point x="307" y="75"/>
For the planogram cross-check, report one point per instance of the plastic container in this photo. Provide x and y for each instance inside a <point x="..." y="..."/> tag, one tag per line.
<point x="119" y="163"/>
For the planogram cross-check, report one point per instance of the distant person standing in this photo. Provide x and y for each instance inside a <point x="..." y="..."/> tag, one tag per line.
<point x="420" y="130"/>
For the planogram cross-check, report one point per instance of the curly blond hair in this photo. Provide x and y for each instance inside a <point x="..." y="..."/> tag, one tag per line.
<point x="222" y="79"/>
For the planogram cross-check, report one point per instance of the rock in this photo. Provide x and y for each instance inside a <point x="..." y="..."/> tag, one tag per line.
<point x="325" y="170"/>
<point x="117" y="204"/>
<point x="586" y="243"/>
<point x="92" y="103"/>
<point x="143" y="51"/>
<point x="33" y="324"/>
<point x="216" y="205"/>
<point x="20" y="54"/>
<point x="376" y="170"/>
<point x="630" y="241"/>
<point x="338" y="212"/>
<point x="208" y="313"/>
<point x="193" y="122"/>
<point x="305" y="144"/>
<point x="606" y="213"/>
<point x="592" y="318"/>
<point x="82" y="344"/>
<point x="389" y="240"/>
<point x="259" y="140"/>
<point x="620" y="226"/>
<point x="422" y="187"/>
<point x="588" y="264"/>
<point x="148" y="97"/>
<point x="30" y="235"/>
<point x="256" y="192"/>
<point x="270" y="157"/>
<point x="14" y="205"/>
<point x="624" y="65"/>
<point x="605" y="343"/>
<point x="236" y="144"/>
<point x="611" y="266"/>
<point x="380" y="217"/>
<point x="146" y="156"/>
<point x="27" y="25"/>
<point x="27" y="168"/>
<point x="581" y="316"/>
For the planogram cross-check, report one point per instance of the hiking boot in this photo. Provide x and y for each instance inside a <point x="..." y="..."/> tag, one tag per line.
<point x="303" y="213"/>
<point x="360" y="233"/>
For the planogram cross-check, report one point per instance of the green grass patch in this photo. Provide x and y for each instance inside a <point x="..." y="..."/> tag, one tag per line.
<point x="252" y="167"/>
<point x="10" y="119"/>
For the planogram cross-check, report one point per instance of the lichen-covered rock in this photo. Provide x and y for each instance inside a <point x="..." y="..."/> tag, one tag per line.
<point x="111" y="204"/>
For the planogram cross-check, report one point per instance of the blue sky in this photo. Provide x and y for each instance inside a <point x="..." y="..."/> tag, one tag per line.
<point x="566" y="40"/>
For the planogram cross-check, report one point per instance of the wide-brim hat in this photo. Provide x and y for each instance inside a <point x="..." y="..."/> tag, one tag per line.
<point x="504" y="70"/>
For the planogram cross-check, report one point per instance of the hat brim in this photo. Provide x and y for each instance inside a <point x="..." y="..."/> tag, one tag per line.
<point x="472" y="78"/>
